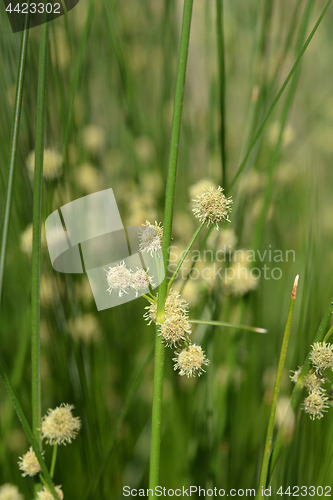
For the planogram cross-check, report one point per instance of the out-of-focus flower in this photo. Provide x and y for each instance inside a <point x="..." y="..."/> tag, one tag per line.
<point x="144" y="149"/>
<point x="85" y="328"/>
<point x="52" y="164"/>
<point x="88" y="178"/>
<point x="94" y="138"/>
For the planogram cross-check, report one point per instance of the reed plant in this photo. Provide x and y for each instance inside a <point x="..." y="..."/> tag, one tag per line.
<point x="212" y="127"/>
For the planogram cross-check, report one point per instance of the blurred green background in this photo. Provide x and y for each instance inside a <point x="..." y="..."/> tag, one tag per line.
<point x="110" y="85"/>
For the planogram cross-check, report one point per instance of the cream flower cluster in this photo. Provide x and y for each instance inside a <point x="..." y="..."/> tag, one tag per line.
<point x="121" y="280"/>
<point x="321" y="357"/>
<point x="175" y="332"/>
<point x="58" y="427"/>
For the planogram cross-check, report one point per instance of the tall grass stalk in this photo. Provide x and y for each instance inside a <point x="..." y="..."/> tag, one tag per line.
<point x="168" y="214"/>
<point x="278" y="96"/>
<point x="221" y="86"/>
<point x="36" y="240"/>
<point x="258" y="233"/>
<point x="270" y="428"/>
<point x="296" y="394"/>
<point x="13" y="146"/>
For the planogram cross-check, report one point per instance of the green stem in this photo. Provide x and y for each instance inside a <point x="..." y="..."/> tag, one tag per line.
<point x="328" y="334"/>
<point x="202" y="245"/>
<point x="13" y="146"/>
<point x="229" y="325"/>
<point x="221" y="75"/>
<point x="270" y="429"/>
<point x="277" y="98"/>
<point x="54" y="459"/>
<point x="168" y="213"/>
<point x="36" y="250"/>
<point x="184" y="254"/>
<point x="32" y="440"/>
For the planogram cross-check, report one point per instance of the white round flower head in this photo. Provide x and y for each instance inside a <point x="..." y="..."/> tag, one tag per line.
<point x="189" y="361"/>
<point x="321" y="356"/>
<point x="151" y="238"/>
<point x="212" y="207"/>
<point x="119" y="279"/>
<point x="141" y="281"/>
<point x="59" y="426"/>
<point x="45" y="494"/>
<point x="174" y="306"/>
<point x="315" y="404"/>
<point x="175" y="330"/>
<point x="94" y="138"/>
<point x="312" y="382"/>
<point x="29" y="463"/>
<point x="10" y="492"/>
<point x="52" y="164"/>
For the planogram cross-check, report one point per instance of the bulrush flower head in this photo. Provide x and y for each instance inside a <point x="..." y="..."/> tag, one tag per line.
<point x="45" y="494"/>
<point x="212" y="207"/>
<point x="52" y="164"/>
<point x="190" y="360"/>
<point x="321" y="356"/>
<point x="59" y="426"/>
<point x="315" y="404"/>
<point x="312" y="382"/>
<point x="174" y="306"/>
<point x="151" y="236"/>
<point x="175" y="330"/>
<point x="29" y="463"/>
<point x="119" y="279"/>
<point x="10" y="492"/>
<point x="141" y="281"/>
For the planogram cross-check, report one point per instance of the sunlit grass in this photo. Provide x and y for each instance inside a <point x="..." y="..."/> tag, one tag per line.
<point x="113" y="65"/>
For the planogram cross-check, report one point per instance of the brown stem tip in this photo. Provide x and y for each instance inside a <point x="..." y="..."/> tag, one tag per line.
<point x="293" y="293"/>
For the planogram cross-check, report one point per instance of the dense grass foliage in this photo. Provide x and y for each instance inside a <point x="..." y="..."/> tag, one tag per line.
<point x="110" y="85"/>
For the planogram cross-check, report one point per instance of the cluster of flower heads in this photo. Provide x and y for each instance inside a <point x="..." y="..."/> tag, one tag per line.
<point x="58" y="427"/>
<point x="212" y="206"/>
<point x="121" y="279"/>
<point x="321" y="357"/>
<point x="175" y="332"/>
